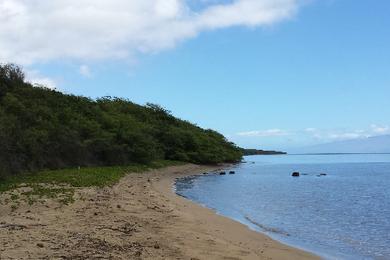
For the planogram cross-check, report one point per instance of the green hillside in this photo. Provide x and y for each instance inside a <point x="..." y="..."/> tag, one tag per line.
<point x="42" y="128"/>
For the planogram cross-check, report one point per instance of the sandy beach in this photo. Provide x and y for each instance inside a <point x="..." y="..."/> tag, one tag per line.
<point x="138" y="218"/>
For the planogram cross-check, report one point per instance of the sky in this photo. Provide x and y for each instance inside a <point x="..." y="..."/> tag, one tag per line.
<point x="268" y="74"/>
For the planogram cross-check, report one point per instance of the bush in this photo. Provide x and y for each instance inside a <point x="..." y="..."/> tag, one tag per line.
<point x="45" y="129"/>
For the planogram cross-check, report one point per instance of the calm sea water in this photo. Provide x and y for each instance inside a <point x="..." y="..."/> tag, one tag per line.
<point x="343" y="215"/>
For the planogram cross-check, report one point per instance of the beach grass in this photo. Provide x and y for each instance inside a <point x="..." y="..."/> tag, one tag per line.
<point x="60" y="184"/>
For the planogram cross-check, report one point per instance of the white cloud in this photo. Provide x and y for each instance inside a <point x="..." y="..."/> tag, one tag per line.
<point x="381" y="130"/>
<point x="327" y="135"/>
<point x="41" y="30"/>
<point x="374" y="130"/>
<point x="348" y="135"/>
<point x="321" y="135"/>
<point x="310" y="129"/>
<point x="36" y="79"/>
<point x="85" y="71"/>
<point x="264" y="133"/>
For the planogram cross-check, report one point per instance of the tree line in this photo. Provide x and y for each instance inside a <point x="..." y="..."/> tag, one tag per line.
<point x="41" y="128"/>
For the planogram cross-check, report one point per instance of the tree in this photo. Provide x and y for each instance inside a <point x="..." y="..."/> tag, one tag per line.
<point x="42" y="128"/>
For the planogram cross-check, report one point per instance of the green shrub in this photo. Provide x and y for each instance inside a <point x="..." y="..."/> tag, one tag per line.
<point x="42" y="128"/>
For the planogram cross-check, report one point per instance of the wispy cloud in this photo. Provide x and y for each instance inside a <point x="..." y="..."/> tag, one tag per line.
<point x="380" y="129"/>
<point x="35" y="78"/>
<point x="41" y="30"/>
<point x="85" y="71"/>
<point x="347" y="134"/>
<point x="264" y="133"/>
<point x="310" y="130"/>
<point x="318" y="135"/>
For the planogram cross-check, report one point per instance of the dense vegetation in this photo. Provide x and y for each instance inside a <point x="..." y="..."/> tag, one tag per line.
<point x="42" y="128"/>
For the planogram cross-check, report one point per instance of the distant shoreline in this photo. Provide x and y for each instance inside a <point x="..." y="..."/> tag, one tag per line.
<point x="248" y="152"/>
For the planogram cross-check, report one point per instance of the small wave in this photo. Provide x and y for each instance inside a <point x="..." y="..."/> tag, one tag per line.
<point x="267" y="229"/>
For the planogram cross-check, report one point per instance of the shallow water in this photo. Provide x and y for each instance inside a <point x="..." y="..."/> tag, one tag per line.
<point x="343" y="215"/>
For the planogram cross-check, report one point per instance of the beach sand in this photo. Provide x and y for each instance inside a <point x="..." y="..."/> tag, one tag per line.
<point x="139" y="218"/>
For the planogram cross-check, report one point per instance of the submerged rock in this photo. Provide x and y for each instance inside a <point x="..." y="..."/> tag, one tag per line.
<point x="295" y="174"/>
<point x="222" y="173"/>
<point x="232" y="172"/>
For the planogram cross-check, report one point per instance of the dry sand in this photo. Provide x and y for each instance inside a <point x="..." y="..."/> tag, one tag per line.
<point x="139" y="218"/>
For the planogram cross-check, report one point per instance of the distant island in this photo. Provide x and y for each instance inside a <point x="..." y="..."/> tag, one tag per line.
<point x="260" y="152"/>
<point x="374" y="144"/>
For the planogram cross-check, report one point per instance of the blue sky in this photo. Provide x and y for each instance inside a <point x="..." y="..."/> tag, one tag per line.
<point x="315" y="72"/>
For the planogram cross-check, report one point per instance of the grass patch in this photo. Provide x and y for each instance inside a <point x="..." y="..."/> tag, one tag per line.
<point x="40" y="191"/>
<point x="60" y="184"/>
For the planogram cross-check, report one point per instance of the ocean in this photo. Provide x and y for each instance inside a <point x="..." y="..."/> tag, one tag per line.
<point x="344" y="214"/>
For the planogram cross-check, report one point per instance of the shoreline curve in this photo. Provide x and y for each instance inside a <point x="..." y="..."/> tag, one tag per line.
<point x="231" y="235"/>
<point x="138" y="218"/>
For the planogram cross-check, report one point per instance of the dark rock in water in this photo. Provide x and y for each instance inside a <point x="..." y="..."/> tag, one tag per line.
<point x="205" y="173"/>
<point x="295" y="174"/>
<point x="222" y="173"/>
<point x="232" y="172"/>
<point x="322" y="174"/>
